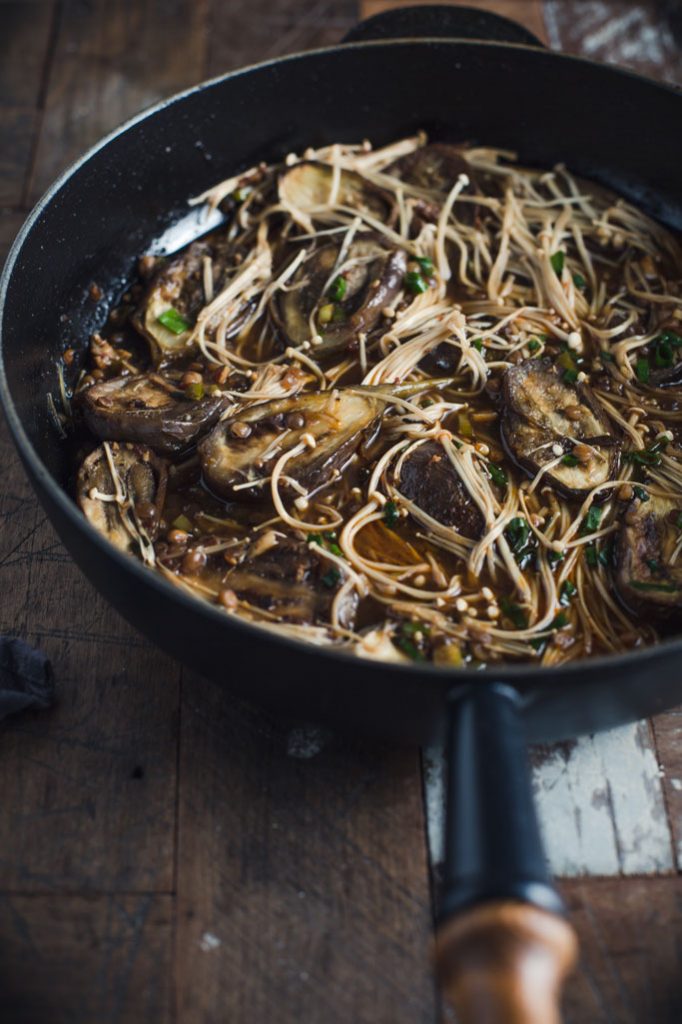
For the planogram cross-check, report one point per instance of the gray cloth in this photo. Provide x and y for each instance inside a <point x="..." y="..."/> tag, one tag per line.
<point x="26" y="678"/>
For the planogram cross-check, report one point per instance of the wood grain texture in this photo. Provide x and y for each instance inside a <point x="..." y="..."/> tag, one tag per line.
<point x="527" y="12"/>
<point x="95" y="960"/>
<point x="302" y="880"/>
<point x="88" y="790"/>
<point x="668" y="736"/>
<point x="630" y="935"/>
<point x="113" y="58"/>
<point x="24" y="40"/>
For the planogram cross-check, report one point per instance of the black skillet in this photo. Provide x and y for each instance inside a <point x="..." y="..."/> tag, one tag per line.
<point x="503" y="945"/>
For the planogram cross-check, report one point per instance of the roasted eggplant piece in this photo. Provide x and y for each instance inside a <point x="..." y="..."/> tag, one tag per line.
<point x="649" y="533"/>
<point x="331" y="424"/>
<point x="141" y="483"/>
<point x="290" y="581"/>
<point x="148" y="410"/>
<point x="176" y="295"/>
<point x="435" y="167"/>
<point x="428" y="478"/>
<point x="307" y="188"/>
<point x="545" y="419"/>
<point x="369" y="285"/>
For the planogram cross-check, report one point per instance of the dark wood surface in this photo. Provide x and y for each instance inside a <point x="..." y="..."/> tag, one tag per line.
<point x="165" y="853"/>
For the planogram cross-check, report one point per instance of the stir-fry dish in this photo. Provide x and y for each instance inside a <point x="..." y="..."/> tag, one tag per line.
<point x="420" y="402"/>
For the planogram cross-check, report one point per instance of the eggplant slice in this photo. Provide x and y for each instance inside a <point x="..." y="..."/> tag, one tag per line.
<point x="541" y="414"/>
<point x="428" y="478"/>
<point x="141" y="478"/>
<point x="435" y="167"/>
<point x="290" y="581"/>
<point x="332" y="424"/>
<point x="148" y="410"/>
<point x="371" y="284"/>
<point x="178" y="287"/>
<point x="646" y="577"/>
<point x="307" y="187"/>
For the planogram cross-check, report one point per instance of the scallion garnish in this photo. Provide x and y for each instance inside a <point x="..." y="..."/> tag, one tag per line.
<point x="497" y="475"/>
<point x="391" y="514"/>
<point x="514" y="612"/>
<point x="173" y="321"/>
<point x="569" y="460"/>
<point x="579" y="281"/>
<point x="425" y="263"/>
<point x="415" y="283"/>
<point x="338" y="288"/>
<point x="567" y="591"/>
<point x="557" y="260"/>
<point x="642" y="370"/>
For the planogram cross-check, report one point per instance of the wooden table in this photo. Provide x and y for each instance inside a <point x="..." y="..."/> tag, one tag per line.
<point x="169" y="855"/>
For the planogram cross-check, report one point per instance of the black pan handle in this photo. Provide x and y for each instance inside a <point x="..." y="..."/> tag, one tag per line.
<point x="441" y="21"/>
<point x="503" y="947"/>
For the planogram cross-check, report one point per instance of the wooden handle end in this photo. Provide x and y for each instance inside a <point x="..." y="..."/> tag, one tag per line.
<point x="504" y="963"/>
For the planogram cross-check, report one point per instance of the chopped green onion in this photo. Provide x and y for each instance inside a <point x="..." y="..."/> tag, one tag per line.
<point x="557" y="260"/>
<point x="240" y="194"/>
<point x="514" y="612"/>
<point x="533" y="345"/>
<point x="591" y="556"/>
<point x="331" y="578"/>
<point x="181" y="522"/>
<point x="325" y="313"/>
<point x="478" y="344"/>
<point x="497" y="475"/>
<point x="464" y="425"/>
<point x="642" y="370"/>
<point x="415" y="283"/>
<point x="567" y="592"/>
<point x="338" y="288"/>
<point x="173" y="321"/>
<point x="591" y="521"/>
<point x="606" y="356"/>
<point x="569" y="460"/>
<point x="195" y="391"/>
<point x="566" y="361"/>
<point x="653" y="565"/>
<point x="314" y="538"/>
<point x="579" y="281"/>
<point x="391" y="514"/>
<point x="555" y="557"/>
<point x="426" y="264"/>
<point x="570" y="376"/>
<point x="517" y="533"/>
<point x="560" y="622"/>
<point x="641" y="493"/>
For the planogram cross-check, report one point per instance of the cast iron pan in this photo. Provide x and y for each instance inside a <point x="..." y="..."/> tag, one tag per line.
<point x="503" y="946"/>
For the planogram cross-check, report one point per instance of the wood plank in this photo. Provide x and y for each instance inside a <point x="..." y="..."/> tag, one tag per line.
<point x="600" y="802"/>
<point x="640" y="36"/>
<point x="87" y="788"/>
<point x="238" y="37"/>
<point x="302" y="881"/>
<point x="24" y="43"/>
<point x="80" y="960"/>
<point x="526" y="12"/>
<point x="668" y="733"/>
<point x="113" y="58"/>
<point x="630" y="933"/>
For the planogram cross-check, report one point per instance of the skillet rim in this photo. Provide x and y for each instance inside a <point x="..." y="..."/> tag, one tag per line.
<point x="514" y="672"/>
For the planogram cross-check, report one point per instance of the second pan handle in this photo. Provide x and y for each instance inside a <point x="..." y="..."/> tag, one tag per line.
<point x="503" y="946"/>
<point x="444" y="22"/>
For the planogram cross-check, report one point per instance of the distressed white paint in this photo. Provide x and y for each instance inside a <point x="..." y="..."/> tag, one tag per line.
<point x="600" y="804"/>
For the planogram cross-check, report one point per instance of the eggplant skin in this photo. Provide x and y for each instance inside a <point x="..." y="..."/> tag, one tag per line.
<point x="371" y="285"/>
<point x="144" y="478"/>
<point x="288" y="580"/>
<point x="436" y="167"/>
<point x="338" y="422"/>
<point x="145" y="410"/>
<point x="534" y="420"/>
<point x="428" y="478"/>
<point x="646" y="579"/>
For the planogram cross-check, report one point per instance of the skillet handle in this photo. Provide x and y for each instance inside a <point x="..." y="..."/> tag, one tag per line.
<point x="431" y="21"/>
<point x="503" y="947"/>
